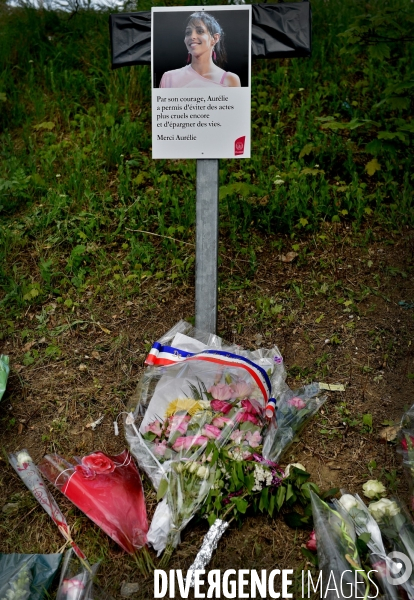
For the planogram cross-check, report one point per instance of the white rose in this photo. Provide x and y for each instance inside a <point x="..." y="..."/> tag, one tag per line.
<point x="348" y="502"/>
<point x="374" y="488"/>
<point x="297" y="465"/>
<point x="204" y="404"/>
<point x="192" y="467"/>
<point x="392" y="508"/>
<point x="203" y="472"/>
<point x="383" y="508"/>
<point x="23" y="457"/>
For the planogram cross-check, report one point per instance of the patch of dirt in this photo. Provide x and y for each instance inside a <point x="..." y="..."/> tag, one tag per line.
<point x="333" y="311"/>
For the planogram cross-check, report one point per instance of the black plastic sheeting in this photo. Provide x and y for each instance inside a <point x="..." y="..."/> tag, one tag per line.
<point x="278" y="31"/>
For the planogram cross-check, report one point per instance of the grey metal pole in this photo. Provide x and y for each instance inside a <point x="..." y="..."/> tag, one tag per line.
<point x="206" y="245"/>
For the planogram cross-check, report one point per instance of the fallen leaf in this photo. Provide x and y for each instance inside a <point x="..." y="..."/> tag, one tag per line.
<point x="96" y="355"/>
<point x="27" y="346"/>
<point x="76" y="432"/>
<point x="388" y="434"/>
<point x="104" y="329"/>
<point x="20" y="428"/>
<point x="83" y="367"/>
<point x="333" y="465"/>
<point x="289" y="257"/>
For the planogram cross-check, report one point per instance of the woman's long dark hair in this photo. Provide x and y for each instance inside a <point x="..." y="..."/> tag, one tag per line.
<point x="212" y="27"/>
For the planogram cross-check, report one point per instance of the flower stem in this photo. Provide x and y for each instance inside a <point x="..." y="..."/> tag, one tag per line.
<point x="166" y="557"/>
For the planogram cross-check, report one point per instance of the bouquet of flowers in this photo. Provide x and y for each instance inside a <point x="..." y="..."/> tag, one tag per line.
<point x="194" y="401"/>
<point x="397" y="528"/>
<point x="365" y="525"/>
<point x="194" y="392"/>
<point x="27" y="576"/>
<point x="24" y="466"/>
<point x="244" y="483"/>
<point x="337" y="553"/>
<point x="293" y="410"/>
<point x="4" y="373"/>
<point x="190" y="440"/>
<point x="406" y="439"/>
<point x="108" y="490"/>
<point x="77" y="583"/>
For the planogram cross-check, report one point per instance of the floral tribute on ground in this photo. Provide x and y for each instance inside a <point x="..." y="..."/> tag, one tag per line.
<point x="201" y="398"/>
<point x="198" y="425"/>
<point x="27" y="576"/>
<point x="338" y="555"/>
<point x="24" y="466"/>
<point x="108" y="490"/>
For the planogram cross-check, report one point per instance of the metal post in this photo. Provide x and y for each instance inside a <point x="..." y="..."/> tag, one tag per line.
<point x="206" y="245"/>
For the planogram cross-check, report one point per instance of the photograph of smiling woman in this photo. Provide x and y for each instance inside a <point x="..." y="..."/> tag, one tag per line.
<point x="205" y="54"/>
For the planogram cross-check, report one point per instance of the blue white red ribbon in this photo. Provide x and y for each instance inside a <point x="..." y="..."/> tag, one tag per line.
<point x="160" y="355"/>
<point x="270" y="408"/>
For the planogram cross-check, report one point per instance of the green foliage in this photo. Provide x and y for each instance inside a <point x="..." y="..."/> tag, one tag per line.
<point x="332" y="141"/>
<point x="236" y="490"/>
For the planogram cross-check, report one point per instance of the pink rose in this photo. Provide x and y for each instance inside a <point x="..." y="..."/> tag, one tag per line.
<point x="99" y="463"/>
<point x="242" y="389"/>
<point x="154" y="427"/>
<point x="211" y="431"/>
<point x="160" y="448"/>
<point x="381" y="567"/>
<point x="178" y="419"/>
<point x="249" y="407"/>
<point x="243" y="417"/>
<point x="311" y="543"/>
<point x="297" y="403"/>
<point x="221" y="391"/>
<point x="221" y="406"/>
<point x="253" y="438"/>
<point x="222" y="422"/>
<point x="177" y="423"/>
<point x="237" y="436"/>
<point x="179" y="427"/>
<point x="185" y="443"/>
<point x="72" y="588"/>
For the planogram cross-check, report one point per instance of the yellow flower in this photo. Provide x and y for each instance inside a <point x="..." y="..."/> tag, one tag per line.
<point x="187" y="405"/>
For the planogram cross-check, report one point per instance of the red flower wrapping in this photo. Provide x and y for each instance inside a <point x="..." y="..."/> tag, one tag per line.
<point x="108" y="490"/>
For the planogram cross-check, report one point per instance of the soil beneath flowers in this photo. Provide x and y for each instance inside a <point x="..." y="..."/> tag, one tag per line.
<point x="341" y="311"/>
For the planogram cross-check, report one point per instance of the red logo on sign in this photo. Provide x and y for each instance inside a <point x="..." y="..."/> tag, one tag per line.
<point x="239" y="146"/>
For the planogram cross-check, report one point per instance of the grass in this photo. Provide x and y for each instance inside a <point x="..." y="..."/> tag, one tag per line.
<point x="97" y="245"/>
<point x="77" y="180"/>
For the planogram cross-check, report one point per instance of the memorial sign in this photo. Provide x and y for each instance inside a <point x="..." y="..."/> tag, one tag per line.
<point x="201" y="82"/>
<point x="200" y="59"/>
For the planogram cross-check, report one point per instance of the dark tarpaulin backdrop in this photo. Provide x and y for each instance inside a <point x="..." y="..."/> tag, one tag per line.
<point x="278" y="31"/>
